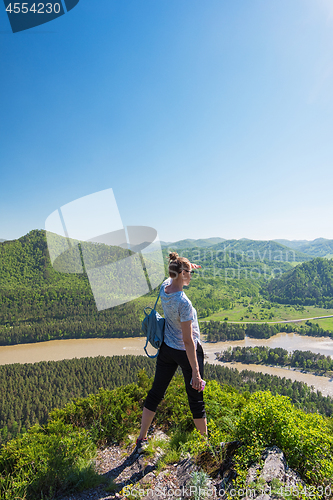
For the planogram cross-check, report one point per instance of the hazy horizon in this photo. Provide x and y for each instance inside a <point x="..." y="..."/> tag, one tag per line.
<point x="201" y="238"/>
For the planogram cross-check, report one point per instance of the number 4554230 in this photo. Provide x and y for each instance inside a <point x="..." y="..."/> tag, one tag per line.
<point x="40" y="9"/>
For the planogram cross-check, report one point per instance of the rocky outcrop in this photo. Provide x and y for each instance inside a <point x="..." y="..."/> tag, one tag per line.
<point x="272" y="480"/>
<point x="122" y="467"/>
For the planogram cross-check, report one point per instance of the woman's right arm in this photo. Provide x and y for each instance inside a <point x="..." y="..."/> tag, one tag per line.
<point x="191" y="354"/>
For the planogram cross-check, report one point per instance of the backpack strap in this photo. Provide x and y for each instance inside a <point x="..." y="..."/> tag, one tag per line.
<point x="152" y="308"/>
<point x="150" y="355"/>
<point x="158" y="296"/>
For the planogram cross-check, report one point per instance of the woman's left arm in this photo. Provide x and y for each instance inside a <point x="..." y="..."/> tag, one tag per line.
<point x="191" y="354"/>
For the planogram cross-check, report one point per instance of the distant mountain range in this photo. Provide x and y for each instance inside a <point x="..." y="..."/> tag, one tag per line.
<point x="319" y="247"/>
<point x="256" y="250"/>
<point x="178" y="245"/>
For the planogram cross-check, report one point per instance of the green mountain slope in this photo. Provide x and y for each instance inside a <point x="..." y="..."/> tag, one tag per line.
<point x="319" y="247"/>
<point x="308" y="283"/>
<point x="38" y="303"/>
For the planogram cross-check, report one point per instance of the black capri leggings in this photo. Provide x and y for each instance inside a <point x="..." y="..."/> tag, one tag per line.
<point x="168" y="360"/>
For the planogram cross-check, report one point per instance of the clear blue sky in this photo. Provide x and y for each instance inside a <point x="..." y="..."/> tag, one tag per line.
<point x="207" y="118"/>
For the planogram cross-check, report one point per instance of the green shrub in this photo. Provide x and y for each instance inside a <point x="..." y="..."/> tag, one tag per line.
<point x="223" y="405"/>
<point x="304" y="438"/>
<point x="46" y="461"/>
<point x="107" y="415"/>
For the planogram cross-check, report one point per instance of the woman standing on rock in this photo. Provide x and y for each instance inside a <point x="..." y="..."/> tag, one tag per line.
<point x="181" y="347"/>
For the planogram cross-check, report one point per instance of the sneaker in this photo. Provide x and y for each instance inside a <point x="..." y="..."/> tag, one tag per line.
<point x="141" y="445"/>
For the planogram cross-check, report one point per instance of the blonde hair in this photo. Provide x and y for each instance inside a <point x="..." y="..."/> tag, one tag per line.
<point x="177" y="264"/>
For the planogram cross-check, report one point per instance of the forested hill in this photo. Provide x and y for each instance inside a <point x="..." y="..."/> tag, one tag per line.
<point x="308" y="283"/>
<point x="38" y="303"/>
<point x="25" y="262"/>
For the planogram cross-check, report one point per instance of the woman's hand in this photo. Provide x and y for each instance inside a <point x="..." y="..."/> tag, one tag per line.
<point x="196" y="381"/>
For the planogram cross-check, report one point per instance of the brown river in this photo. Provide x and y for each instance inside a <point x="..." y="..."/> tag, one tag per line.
<point x="78" y="348"/>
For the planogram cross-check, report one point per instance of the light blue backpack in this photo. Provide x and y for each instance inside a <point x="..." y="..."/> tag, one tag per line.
<point x="153" y="326"/>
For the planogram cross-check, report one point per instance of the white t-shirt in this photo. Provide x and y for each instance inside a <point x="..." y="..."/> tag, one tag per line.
<point x="177" y="308"/>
